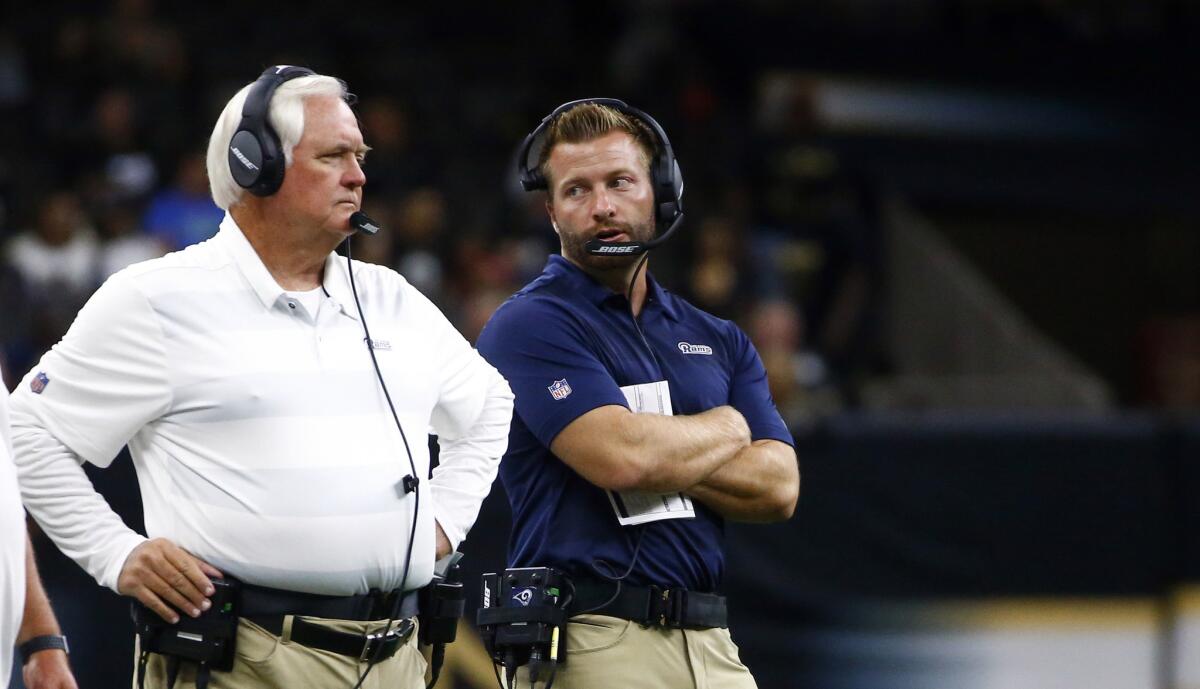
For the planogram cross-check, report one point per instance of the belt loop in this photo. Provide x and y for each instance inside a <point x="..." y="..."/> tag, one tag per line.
<point x="374" y="601"/>
<point x="678" y="608"/>
<point x="285" y="634"/>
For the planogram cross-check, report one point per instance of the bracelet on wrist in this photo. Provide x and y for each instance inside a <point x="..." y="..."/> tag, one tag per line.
<point x="45" y="642"/>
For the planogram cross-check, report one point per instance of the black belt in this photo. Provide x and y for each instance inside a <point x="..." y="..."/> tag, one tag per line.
<point x="268" y="607"/>
<point x="650" y="606"/>
<point x="377" y="645"/>
<point x="375" y="605"/>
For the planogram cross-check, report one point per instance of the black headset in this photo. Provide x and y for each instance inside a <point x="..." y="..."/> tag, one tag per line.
<point x="665" y="176"/>
<point x="255" y="157"/>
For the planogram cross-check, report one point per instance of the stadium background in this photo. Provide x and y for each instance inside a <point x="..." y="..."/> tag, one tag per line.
<point x="962" y="233"/>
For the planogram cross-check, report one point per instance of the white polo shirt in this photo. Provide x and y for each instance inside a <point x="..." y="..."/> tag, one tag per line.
<point x="12" y="546"/>
<point x="261" y="437"/>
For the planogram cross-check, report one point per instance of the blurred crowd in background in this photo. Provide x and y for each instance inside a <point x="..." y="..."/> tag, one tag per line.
<point x="105" y="111"/>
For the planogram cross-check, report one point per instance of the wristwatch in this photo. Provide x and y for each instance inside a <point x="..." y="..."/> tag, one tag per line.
<point x="42" y="643"/>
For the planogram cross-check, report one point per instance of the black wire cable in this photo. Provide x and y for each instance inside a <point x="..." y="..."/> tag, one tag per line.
<point x="636" y="325"/>
<point x="412" y="465"/>
<point x="437" y="656"/>
<point x="611" y="576"/>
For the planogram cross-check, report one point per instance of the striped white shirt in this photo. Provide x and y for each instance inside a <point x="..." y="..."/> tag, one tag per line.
<point x="261" y="437"/>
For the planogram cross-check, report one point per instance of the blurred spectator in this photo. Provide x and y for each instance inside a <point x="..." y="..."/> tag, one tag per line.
<point x="422" y="244"/>
<point x="57" y="261"/>
<point x="184" y="213"/>
<point x="824" y="252"/>
<point x="59" y="251"/>
<point x="142" y="44"/>
<point x="14" y="83"/>
<point x="524" y="221"/>
<point x="798" y="377"/>
<point x="715" y="282"/>
<point x="484" y="272"/>
<point x="122" y="240"/>
<point x="397" y="163"/>
<point x="116" y="166"/>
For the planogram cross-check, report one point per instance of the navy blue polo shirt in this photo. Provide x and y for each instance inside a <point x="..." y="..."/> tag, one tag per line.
<point x="567" y="344"/>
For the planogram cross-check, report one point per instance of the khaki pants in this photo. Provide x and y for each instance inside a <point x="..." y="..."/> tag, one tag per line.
<point x="607" y="652"/>
<point x="266" y="661"/>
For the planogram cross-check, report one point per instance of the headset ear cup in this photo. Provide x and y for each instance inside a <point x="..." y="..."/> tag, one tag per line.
<point x="273" y="166"/>
<point x="245" y="159"/>
<point x="255" y="157"/>
<point x="256" y="162"/>
<point x="668" y="190"/>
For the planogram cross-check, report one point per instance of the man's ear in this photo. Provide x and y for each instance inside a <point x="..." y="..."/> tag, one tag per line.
<point x="553" y="220"/>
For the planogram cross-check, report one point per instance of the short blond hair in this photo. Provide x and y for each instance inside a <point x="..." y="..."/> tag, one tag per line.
<point x="589" y="121"/>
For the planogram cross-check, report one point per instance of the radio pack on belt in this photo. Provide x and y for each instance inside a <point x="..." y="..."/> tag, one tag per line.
<point x="442" y="603"/>
<point x="524" y="618"/>
<point x="208" y="639"/>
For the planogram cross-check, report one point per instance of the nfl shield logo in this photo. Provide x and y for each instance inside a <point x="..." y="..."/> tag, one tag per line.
<point x="560" y="389"/>
<point x="41" y="380"/>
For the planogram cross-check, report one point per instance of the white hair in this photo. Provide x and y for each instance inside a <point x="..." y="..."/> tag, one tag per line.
<point x="286" y="115"/>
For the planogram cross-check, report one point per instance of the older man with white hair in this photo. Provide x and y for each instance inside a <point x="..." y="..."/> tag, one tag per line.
<point x="275" y="399"/>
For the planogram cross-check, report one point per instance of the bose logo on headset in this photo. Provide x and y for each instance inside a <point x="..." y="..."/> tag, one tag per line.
<point x="242" y="157"/>
<point x="605" y="249"/>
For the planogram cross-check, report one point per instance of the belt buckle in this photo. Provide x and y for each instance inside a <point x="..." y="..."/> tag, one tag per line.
<point x="399" y="634"/>
<point x="667" y="607"/>
<point x="367" y="650"/>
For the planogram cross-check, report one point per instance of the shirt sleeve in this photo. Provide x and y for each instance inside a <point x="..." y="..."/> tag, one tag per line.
<point x="750" y="394"/>
<point x="105" y="380"/>
<point x="545" y="355"/>
<point x="83" y="401"/>
<point x="62" y="500"/>
<point x="471" y="420"/>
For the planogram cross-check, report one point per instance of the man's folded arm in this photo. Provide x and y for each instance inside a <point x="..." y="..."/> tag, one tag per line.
<point x="760" y="484"/>
<point x="614" y="448"/>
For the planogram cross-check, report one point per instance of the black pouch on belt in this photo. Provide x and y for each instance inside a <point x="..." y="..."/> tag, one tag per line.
<point x="208" y="639"/>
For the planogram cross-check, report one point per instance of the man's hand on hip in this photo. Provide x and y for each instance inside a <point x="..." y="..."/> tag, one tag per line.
<point x="442" y="547"/>
<point x="159" y="572"/>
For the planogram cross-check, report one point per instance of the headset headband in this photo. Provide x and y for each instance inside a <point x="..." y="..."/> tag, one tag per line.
<point x="665" y="175"/>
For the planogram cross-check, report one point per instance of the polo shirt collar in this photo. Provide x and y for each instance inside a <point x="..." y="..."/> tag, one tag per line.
<point x="593" y="291"/>
<point x="263" y="283"/>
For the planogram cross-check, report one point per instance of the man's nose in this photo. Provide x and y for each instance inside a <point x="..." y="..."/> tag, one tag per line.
<point x="355" y="177"/>
<point x="603" y="207"/>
